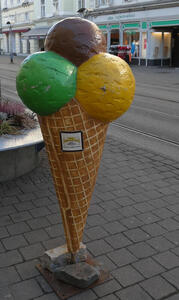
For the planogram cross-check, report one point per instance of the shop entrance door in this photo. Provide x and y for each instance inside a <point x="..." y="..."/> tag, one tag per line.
<point x="175" y="49"/>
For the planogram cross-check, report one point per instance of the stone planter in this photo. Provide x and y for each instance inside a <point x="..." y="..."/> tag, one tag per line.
<point x="19" y="153"/>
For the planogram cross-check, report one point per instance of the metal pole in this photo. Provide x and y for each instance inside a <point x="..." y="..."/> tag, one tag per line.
<point x="10" y="42"/>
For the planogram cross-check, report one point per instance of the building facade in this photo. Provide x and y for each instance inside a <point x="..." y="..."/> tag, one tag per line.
<point x="46" y="14"/>
<point x="150" y="28"/>
<point x="17" y="18"/>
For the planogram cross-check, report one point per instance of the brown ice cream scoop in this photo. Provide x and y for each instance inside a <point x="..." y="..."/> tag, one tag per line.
<point x="76" y="39"/>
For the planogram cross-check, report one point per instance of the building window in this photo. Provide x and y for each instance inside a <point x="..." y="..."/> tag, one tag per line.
<point x="81" y="4"/>
<point x="99" y="3"/>
<point x="18" y="1"/>
<point x="26" y="17"/>
<point x="5" y="3"/>
<point x="12" y="3"/>
<point x="55" y="7"/>
<point x="42" y="8"/>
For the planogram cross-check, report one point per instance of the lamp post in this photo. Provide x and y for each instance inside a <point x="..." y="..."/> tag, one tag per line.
<point x="10" y="41"/>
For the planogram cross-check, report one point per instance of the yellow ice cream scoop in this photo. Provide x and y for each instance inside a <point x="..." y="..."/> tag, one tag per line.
<point x="105" y="86"/>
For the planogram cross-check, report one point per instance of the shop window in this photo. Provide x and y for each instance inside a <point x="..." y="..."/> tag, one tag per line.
<point x="81" y="4"/>
<point x="131" y="38"/>
<point x="167" y="45"/>
<point x="144" y="44"/>
<point x="42" y="8"/>
<point x="115" y="37"/>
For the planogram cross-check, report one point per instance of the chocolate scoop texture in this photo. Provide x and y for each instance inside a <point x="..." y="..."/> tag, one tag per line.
<point x="76" y="89"/>
<point x="76" y="39"/>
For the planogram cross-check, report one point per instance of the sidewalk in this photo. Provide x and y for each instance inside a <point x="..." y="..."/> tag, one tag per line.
<point x="132" y="227"/>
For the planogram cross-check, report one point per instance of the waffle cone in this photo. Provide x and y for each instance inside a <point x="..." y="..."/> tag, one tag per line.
<point x="74" y="173"/>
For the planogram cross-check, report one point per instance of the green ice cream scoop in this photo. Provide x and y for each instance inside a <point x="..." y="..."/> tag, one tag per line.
<point x="46" y="82"/>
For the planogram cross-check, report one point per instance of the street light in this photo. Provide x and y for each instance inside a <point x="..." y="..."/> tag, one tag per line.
<point x="10" y="41"/>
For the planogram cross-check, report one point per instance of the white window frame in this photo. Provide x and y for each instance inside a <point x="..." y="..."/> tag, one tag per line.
<point x="102" y="3"/>
<point x="81" y="4"/>
<point x="42" y="5"/>
<point x="56" y="6"/>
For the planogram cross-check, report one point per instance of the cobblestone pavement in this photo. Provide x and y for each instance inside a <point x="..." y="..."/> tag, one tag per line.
<point x="132" y="227"/>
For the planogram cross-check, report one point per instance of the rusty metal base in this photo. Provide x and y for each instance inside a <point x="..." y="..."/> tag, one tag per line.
<point x="64" y="290"/>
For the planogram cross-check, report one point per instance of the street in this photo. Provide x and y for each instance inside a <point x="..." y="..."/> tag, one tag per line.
<point x="151" y="122"/>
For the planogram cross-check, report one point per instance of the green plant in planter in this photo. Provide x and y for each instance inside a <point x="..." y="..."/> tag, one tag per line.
<point x="14" y="118"/>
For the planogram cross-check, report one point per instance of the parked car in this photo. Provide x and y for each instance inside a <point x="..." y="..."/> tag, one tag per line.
<point x="121" y="51"/>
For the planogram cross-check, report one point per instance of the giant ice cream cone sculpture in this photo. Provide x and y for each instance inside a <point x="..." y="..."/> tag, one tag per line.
<point x="76" y="89"/>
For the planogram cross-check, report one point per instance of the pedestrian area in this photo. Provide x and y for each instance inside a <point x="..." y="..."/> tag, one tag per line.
<point x="132" y="227"/>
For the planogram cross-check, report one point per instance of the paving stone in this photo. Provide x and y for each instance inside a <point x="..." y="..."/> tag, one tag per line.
<point x="143" y="207"/>
<point x="32" y="251"/>
<point x="10" y="258"/>
<point x="7" y="210"/>
<point x="114" y="227"/>
<point x="21" y="216"/>
<point x="39" y="212"/>
<point x="106" y="288"/>
<point x="95" y="209"/>
<point x="8" y="276"/>
<point x="157" y="287"/>
<point x="112" y="215"/>
<point x="14" y="242"/>
<point x="89" y="294"/>
<point x="28" y="269"/>
<point x="2" y="249"/>
<point x="118" y="241"/>
<point x="127" y="276"/>
<point x="46" y="288"/>
<point x="18" y="228"/>
<point x="167" y="259"/>
<point x="173" y="237"/>
<point x="5" y="220"/>
<point x="54" y="243"/>
<point x="98" y="247"/>
<point x="137" y="235"/>
<point x="38" y="223"/>
<point x="160" y="243"/>
<point x="169" y="224"/>
<point x="175" y="297"/>
<point x="163" y="213"/>
<point x="96" y="233"/>
<point x="45" y="201"/>
<point x="95" y="220"/>
<point x="133" y="293"/>
<point x="24" y="206"/>
<point x="122" y="257"/>
<point x="175" y="250"/>
<point x="173" y="277"/>
<point x="109" y="297"/>
<point x="55" y="230"/>
<point x="148" y="267"/>
<point x="131" y="222"/>
<point x="26" y="290"/>
<point x="51" y="296"/>
<point x="26" y="197"/>
<point x="154" y="229"/>
<point x="36" y="236"/>
<point x="105" y="262"/>
<point x="5" y="293"/>
<point x="3" y="232"/>
<point x="148" y="218"/>
<point x="141" y="250"/>
<point x="128" y="211"/>
<point x="54" y="218"/>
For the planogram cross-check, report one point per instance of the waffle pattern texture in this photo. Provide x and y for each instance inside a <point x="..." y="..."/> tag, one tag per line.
<point x="74" y="173"/>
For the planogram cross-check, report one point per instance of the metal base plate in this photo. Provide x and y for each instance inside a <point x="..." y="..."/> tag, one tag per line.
<point x="64" y="290"/>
